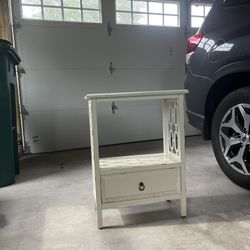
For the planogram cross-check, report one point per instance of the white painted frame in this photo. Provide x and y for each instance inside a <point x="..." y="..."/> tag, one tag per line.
<point x="132" y="12"/>
<point x="167" y="97"/>
<point x="62" y="8"/>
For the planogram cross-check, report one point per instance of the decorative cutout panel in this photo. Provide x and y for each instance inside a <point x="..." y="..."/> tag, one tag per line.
<point x="173" y="128"/>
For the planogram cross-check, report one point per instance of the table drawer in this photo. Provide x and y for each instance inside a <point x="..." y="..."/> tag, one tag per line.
<point x="139" y="185"/>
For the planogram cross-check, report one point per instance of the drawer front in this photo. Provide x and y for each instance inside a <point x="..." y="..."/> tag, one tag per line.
<point x="140" y="185"/>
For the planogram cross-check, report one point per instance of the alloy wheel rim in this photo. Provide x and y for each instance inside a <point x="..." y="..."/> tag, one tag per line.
<point x="234" y="136"/>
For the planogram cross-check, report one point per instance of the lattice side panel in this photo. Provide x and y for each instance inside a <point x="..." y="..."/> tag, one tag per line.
<point x="173" y="128"/>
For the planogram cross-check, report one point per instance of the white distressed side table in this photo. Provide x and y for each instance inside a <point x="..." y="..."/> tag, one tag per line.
<point x="141" y="179"/>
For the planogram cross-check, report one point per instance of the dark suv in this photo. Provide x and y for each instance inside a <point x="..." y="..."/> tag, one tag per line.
<point x="218" y="78"/>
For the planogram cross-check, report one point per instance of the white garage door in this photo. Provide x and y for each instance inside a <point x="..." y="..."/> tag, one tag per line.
<point x="65" y="61"/>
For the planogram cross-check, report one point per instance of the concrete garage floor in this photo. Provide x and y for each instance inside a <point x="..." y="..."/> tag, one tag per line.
<point x="51" y="207"/>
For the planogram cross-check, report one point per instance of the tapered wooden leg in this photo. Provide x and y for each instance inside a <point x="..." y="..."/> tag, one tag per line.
<point x="183" y="207"/>
<point x="99" y="217"/>
<point x="181" y="143"/>
<point x="95" y="160"/>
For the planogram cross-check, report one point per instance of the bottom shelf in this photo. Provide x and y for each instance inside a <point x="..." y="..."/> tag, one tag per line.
<point x="137" y="202"/>
<point x="133" y="163"/>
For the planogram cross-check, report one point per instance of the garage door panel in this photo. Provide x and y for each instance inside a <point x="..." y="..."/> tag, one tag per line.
<point x="130" y="123"/>
<point x="68" y="129"/>
<point x="66" y="89"/>
<point x="60" y="130"/>
<point x="57" y="130"/>
<point x="58" y="113"/>
<point x="64" y="62"/>
<point x="57" y="90"/>
<point x="148" y="48"/>
<point x="148" y="79"/>
<point x="49" y="47"/>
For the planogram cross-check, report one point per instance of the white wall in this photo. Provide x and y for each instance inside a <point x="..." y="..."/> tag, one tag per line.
<point x="65" y="61"/>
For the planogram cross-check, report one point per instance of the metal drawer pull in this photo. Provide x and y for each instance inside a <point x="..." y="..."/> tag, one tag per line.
<point x="141" y="186"/>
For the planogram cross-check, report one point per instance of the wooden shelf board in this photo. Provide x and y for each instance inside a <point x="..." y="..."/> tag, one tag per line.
<point x="134" y="163"/>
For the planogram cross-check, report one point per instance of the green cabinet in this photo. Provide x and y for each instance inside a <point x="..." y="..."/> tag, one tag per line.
<point x="9" y="162"/>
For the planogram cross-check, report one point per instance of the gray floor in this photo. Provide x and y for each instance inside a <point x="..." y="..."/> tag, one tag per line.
<point x="51" y="207"/>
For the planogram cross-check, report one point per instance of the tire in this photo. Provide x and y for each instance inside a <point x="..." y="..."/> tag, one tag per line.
<point x="231" y="136"/>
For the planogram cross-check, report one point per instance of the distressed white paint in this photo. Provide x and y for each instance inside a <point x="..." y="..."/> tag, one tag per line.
<point x="118" y="180"/>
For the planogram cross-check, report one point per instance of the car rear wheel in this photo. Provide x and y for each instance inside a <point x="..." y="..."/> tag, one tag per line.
<point x="231" y="136"/>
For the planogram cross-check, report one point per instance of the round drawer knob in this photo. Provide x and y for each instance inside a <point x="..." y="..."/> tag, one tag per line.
<point x="141" y="186"/>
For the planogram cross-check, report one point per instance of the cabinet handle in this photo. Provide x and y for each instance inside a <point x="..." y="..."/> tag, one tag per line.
<point x="141" y="186"/>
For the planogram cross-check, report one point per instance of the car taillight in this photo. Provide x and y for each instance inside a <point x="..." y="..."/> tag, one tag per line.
<point x="193" y="42"/>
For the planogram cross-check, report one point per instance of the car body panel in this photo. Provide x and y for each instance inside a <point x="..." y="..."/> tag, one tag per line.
<point x="223" y="50"/>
